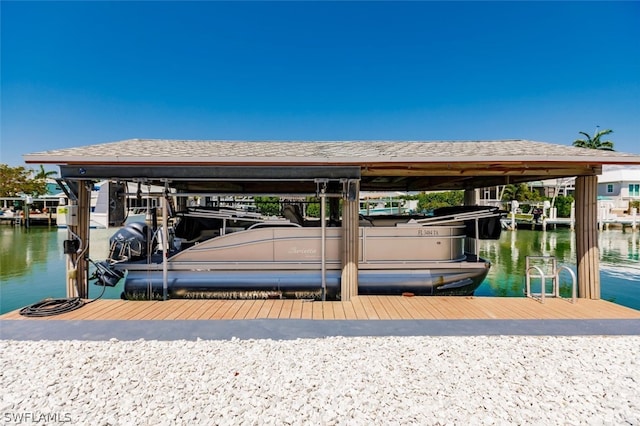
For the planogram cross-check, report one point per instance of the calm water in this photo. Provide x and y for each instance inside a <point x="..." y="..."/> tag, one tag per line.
<point x="32" y="265"/>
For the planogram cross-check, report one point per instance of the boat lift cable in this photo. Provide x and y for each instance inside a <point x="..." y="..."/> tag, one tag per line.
<point x="50" y="307"/>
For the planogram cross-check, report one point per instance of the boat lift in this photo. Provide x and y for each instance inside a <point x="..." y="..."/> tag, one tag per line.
<point x="547" y="268"/>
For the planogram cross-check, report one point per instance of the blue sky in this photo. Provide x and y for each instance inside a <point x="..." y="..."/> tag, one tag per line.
<point x="78" y="73"/>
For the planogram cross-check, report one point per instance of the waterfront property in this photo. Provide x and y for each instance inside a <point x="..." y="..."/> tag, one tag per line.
<point x="619" y="188"/>
<point x="618" y="201"/>
<point x="335" y="172"/>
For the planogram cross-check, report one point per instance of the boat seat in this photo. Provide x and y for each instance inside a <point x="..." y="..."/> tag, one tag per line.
<point x="205" y="234"/>
<point x="292" y="214"/>
<point x="364" y="221"/>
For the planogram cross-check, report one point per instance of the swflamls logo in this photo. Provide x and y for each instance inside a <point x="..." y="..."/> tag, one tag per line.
<point x="35" y="417"/>
<point x="296" y="250"/>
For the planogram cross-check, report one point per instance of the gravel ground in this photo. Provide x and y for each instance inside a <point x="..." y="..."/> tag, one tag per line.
<point x="353" y="381"/>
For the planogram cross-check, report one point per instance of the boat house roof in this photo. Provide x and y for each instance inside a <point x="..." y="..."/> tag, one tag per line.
<point x="294" y="166"/>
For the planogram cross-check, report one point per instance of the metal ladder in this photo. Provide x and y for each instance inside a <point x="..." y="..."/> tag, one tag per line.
<point x="547" y="268"/>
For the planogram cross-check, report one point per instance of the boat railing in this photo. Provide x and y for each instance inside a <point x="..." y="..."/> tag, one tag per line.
<point x="460" y="217"/>
<point x="275" y="223"/>
<point x="223" y="214"/>
<point x="229" y="218"/>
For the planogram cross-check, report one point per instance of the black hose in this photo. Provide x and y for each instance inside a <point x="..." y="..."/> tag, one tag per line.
<point x="49" y="307"/>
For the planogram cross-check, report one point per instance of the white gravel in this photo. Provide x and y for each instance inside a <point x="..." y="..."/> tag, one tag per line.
<point x="353" y="381"/>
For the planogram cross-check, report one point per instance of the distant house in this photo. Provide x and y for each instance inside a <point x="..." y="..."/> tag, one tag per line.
<point x="554" y="187"/>
<point x="616" y="188"/>
<point x="619" y="186"/>
<point x="547" y="188"/>
<point x="52" y="187"/>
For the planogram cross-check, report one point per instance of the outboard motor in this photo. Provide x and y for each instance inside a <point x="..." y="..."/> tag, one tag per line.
<point x="130" y="243"/>
<point x="105" y="275"/>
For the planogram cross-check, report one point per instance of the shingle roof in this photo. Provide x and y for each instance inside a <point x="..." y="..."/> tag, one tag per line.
<point x="381" y="165"/>
<point x="330" y="152"/>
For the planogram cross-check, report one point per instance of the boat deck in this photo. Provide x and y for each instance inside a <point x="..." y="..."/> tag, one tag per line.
<point x="359" y="308"/>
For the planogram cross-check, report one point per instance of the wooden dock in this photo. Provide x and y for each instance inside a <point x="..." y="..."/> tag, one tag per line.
<point x="359" y="308"/>
<point x="34" y="219"/>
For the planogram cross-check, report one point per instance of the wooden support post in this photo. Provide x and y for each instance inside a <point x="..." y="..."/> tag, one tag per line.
<point x="470" y="199"/>
<point x="77" y="264"/>
<point x="165" y="246"/>
<point x="84" y="219"/>
<point x="323" y="241"/>
<point x="587" y="253"/>
<point x="350" y="246"/>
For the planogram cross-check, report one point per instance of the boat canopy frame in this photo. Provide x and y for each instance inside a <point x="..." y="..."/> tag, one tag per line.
<point x="295" y="167"/>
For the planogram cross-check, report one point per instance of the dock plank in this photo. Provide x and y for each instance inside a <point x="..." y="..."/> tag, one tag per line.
<point x="264" y="309"/>
<point x="370" y="312"/>
<point x="316" y="310"/>
<point x="358" y="308"/>
<point x="349" y="312"/>
<point x="327" y="310"/>
<point x="215" y="310"/>
<point x="338" y="310"/>
<point x="234" y="307"/>
<point x="222" y="310"/>
<point x="178" y="312"/>
<point x="379" y="308"/>
<point x="190" y="309"/>
<point x="99" y="310"/>
<point x="255" y="308"/>
<point x="287" y="307"/>
<point x="307" y="310"/>
<point x="242" y="312"/>
<point x="496" y="310"/>
<point x="422" y="309"/>
<point x="205" y="309"/>
<point x="201" y="307"/>
<point x="276" y="308"/>
<point x="403" y="306"/>
<point x="296" y="309"/>
<point x="453" y="309"/>
<point x="177" y="307"/>
<point x="136" y="309"/>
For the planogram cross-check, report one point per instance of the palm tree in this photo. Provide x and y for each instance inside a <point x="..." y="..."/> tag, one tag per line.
<point x="43" y="174"/>
<point x="39" y="180"/>
<point x="595" y="142"/>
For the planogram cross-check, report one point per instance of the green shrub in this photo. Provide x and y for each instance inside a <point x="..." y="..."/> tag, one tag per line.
<point x="563" y="205"/>
<point x="268" y="206"/>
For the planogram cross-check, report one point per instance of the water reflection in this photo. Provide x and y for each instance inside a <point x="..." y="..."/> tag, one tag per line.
<point x="33" y="267"/>
<point x="620" y="251"/>
<point x="619" y="264"/>
<point x="24" y="249"/>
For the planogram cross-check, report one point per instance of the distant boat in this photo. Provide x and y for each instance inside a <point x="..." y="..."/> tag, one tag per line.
<point x="106" y="210"/>
<point x="374" y="204"/>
